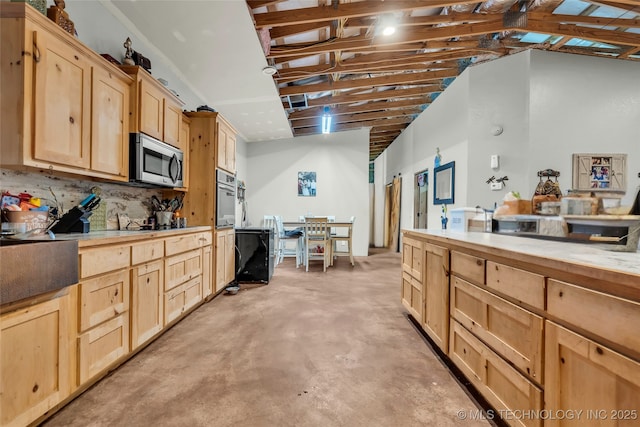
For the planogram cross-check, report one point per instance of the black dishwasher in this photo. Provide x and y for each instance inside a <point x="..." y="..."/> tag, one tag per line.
<point x="255" y="256"/>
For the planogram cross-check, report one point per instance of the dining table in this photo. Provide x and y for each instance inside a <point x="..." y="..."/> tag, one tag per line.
<point x="331" y="224"/>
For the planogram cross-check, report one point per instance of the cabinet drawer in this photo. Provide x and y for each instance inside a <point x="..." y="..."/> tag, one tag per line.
<point x="147" y="251"/>
<point x="104" y="259"/>
<point x="205" y="239"/>
<point x="103" y="298"/>
<point x="180" y="268"/>
<point x="504" y="387"/>
<point x="514" y="333"/>
<point x="412" y="296"/>
<point x="521" y="285"/>
<point x="102" y="346"/>
<point x="468" y="266"/>
<point x="183" y="243"/>
<point x="412" y="257"/>
<point x="180" y="299"/>
<point x="612" y="318"/>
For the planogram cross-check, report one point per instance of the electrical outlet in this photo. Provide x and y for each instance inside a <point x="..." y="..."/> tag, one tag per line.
<point x="497" y="186"/>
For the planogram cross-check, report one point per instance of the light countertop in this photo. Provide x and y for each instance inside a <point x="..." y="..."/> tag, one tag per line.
<point x="583" y="254"/>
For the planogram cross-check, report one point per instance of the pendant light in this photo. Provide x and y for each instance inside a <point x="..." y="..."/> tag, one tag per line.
<point x="326" y="121"/>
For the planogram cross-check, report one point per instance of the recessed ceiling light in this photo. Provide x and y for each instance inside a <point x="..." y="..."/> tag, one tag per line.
<point x="269" y="70"/>
<point x="388" y="31"/>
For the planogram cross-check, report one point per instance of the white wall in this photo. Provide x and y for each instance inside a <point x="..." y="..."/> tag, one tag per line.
<point x="550" y="105"/>
<point x="341" y="161"/>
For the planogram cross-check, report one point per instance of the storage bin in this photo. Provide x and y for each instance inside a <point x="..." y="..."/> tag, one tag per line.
<point x="460" y="218"/>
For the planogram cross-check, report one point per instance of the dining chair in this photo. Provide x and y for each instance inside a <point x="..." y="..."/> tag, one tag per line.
<point x="289" y="244"/>
<point x="317" y="241"/>
<point x="347" y="238"/>
<point x="269" y="221"/>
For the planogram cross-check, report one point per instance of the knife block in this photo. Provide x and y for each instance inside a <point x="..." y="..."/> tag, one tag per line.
<point x="74" y="221"/>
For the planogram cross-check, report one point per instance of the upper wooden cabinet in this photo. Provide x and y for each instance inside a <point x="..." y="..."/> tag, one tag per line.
<point x="225" y="146"/>
<point x="64" y="107"/>
<point x="155" y="110"/>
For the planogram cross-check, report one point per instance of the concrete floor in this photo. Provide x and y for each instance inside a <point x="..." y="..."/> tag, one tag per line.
<point x="308" y="349"/>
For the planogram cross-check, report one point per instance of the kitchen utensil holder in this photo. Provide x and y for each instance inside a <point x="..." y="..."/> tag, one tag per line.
<point x="74" y="221"/>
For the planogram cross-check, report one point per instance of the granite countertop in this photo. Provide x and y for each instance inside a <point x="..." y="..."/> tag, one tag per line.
<point x="583" y="254"/>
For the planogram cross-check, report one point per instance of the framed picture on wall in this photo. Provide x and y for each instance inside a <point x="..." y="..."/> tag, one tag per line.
<point x="599" y="172"/>
<point x="444" y="184"/>
<point x="307" y="184"/>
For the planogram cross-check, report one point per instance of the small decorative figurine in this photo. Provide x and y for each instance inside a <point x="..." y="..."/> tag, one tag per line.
<point x="128" y="54"/>
<point x="438" y="158"/>
<point x="444" y="218"/>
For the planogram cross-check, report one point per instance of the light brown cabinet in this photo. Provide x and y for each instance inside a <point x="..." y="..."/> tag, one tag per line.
<point x="103" y="306"/>
<point x="199" y="203"/>
<point x="34" y="360"/>
<point x="65" y="108"/>
<point x="155" y="110"/>
<point x="183" y="144"/>
<point x="412" y="264"/>
<point x="225" y="257"/>
<point x="226" y="146"/>
<point x="503" y="386"/>
<point x="147" y="291"/>
<point x="533" y="333"/>
<point x="436" y="295"/>
<point x="583" y="375"/>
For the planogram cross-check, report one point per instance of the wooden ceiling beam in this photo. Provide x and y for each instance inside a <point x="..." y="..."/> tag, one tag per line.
<point x="358" y="117"/>
<point x="369" y="106"/>
<point x="630" y="5"/>
<point x="255" y="4"/>
<point x="353" y="125"/>
<point x="413" y="36"/>
<point x="292" y="30"/>
<point x="584" y="19"/>
<point x="347" y="10"/>
<point x="383" y="129"/>
<point x="408" y="21"/>
<point x="391" y="80"/>
<point x="381" y="94"/>
<point x="581" y="32"/>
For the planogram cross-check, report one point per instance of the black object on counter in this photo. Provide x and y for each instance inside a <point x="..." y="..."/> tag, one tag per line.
<point x="255" y="257"/>
<point x="74" y="221"/>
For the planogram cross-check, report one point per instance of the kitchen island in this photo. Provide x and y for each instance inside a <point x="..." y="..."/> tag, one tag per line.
<point x="131" y="287"/>
<point x="535" y="325"/>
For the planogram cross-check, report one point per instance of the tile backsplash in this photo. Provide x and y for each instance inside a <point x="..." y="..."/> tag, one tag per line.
<point x="69" y="192"/>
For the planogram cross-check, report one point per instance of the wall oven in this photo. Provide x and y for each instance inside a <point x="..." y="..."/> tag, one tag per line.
<point x="225" y="199"/>
<point x="154" y="162"/>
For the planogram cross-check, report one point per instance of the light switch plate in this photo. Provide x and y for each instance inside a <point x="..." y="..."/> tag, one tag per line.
<point x="496" y="186"/>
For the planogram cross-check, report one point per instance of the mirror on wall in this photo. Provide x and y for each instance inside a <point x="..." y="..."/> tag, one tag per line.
<point x="444" y="184"/>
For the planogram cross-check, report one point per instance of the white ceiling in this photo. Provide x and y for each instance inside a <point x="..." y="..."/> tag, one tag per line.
<point x="214" y="45"/>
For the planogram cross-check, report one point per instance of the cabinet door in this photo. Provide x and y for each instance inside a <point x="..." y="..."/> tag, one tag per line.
<point x="172" y="123"/>
<point x="184" y="145"/>
<point x="581" y="374"/>
<point x="182" y="267"/>
<point x="34" y="361"/>
<point x="147" y="295"/>
<point x="225" y="258"/>
<point x="226" y="147"/>
<point x="230" y="257"/>
<point x="412" y="296"/>
<point x="231" y="152"/>
<point x="102" y="346"/>
<point x="110" y="124"/>
<point x="436" y="295"/>
<point x="412" y="257"/>
<point x="151" y="109"/>
<point x="62" y="96"/>
<point x="207" y="283"/>
<point x="103" y="298"/>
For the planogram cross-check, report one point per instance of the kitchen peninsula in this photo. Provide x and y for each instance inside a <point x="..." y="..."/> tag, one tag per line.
<point x="534" y="325"/>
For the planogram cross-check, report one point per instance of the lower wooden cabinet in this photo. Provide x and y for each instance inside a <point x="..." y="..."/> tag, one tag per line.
<point x="513" y="332"/>
<point x="103" y="298"/>
<point x="147" y="302"/>
<point x="412" y="296"/>
<point x="583" y="375"/>
<point x="102" y="346"/>
<point x="225" y="257"/>
<point x="182" y="298"/>
<point x="182" y="267"/>
<point x="207" y="273"/>
<point x="436" y="295"/>
<point x="503" y="386"/>
<point x="34" y="361"/>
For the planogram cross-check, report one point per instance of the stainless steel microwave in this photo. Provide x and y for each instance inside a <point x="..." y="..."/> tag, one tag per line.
<point x="153" y="162"/>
